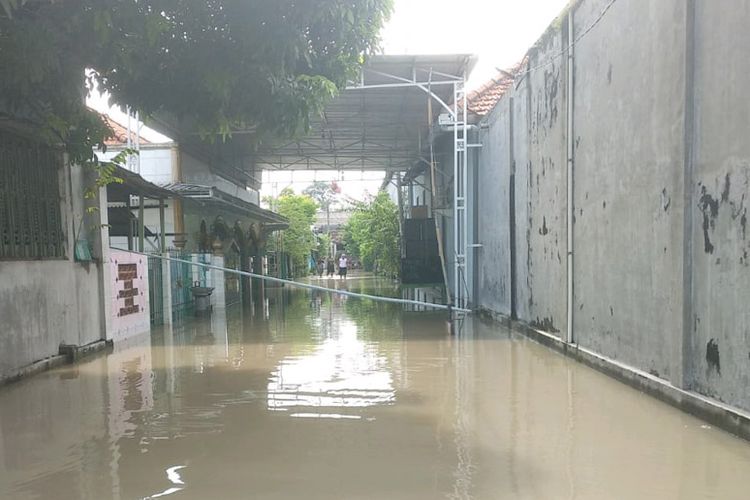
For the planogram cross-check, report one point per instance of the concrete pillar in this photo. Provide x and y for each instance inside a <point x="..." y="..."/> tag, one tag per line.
<point x="162" y="228"/>
<point x="106" y="287"/>
<point x="141" y="225"/>
<point x="681" y="354"/>
<point x="216" y="280"/>
<point x="166" y="274"/>
<point x="130" y="225"/>
<point x="259" y="285"/>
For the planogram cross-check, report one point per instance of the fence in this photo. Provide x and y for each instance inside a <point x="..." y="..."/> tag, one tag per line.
<point x="156" y="290"/>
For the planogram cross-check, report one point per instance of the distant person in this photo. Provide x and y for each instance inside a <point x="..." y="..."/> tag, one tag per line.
<point x="343" y="264"/>
<point x="330" y="268"/>
<point x="321" y="267"/>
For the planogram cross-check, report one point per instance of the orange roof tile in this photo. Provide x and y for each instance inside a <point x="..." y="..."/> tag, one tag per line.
<point x="119" y="136"/>
<point x="484" y="99"/>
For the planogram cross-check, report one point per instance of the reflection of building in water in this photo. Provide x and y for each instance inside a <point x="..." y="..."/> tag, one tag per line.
<point x="430" y="294"/>
<point x="130" y="383"/>
<point x="342" y="372"/>
<point x="46" y="427"/>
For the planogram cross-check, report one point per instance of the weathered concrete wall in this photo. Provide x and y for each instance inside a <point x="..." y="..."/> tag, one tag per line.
<point x="493" y="259"/>
<point x="538" y="160"/>
<point x="662" y="277"/>
<point x="48" y="302"/>
<point x="629" y="133"/>
<point x="720" y="346"/>
<point x="521" y="289"/>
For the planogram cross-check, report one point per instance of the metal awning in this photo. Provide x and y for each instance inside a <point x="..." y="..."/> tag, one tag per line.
<point x="380" y="122"/>
<point x="208" y="195"/>
<point x="134" y="185"/>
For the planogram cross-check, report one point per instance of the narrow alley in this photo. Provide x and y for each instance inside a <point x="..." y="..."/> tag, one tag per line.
<point x="318" y="396"/>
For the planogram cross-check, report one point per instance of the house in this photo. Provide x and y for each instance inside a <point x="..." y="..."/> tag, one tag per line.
<point x="51" y="256"/>
<point x="213" y="215"/>
<point x="70" y="278"/>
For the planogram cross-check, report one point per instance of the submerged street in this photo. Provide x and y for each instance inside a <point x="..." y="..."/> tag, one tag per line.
<point x="325" y="397"/>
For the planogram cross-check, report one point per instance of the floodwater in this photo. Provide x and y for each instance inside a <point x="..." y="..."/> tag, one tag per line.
<point x="314" y="397"/>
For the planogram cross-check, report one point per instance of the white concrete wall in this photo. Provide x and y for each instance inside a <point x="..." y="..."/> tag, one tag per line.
<point x="195" y="171"/>
<point x="662" y="276"/>
<point x="155" y="162"/>
<point x="123" y="323"/>
<point x="46" y="303"/>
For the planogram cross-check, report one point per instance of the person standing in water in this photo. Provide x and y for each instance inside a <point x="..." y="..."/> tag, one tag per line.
<point x="342" y="266"/>
<point x="330" y="268"/>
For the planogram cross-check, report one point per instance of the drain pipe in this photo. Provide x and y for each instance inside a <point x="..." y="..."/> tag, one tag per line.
<point x="571" y="163"/>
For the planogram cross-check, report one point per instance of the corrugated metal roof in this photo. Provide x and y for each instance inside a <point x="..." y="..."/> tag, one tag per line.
<point x="213" y="196"/>
<point x="379" y="127"/>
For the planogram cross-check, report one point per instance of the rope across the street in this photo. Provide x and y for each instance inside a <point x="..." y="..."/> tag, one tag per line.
<point x="394" y="300"/>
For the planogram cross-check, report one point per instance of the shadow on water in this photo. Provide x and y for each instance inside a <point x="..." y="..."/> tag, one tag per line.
<point x="312" y="395"/>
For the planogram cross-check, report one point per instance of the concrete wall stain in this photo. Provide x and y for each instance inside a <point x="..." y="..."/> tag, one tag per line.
<point x="725" y="191"/>
<point x="545" y="324"/>
<point x="544" y="231"/>
<point x="709" y="207"/>
<point x="551" y="86"/>
<point x="666" y="200"/>
<point x="713" y="357"/>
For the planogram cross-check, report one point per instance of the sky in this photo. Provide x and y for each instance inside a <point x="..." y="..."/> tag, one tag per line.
<point x="498" y="31"/>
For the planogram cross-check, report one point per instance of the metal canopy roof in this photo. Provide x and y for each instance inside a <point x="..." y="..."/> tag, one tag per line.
<point x="379" y="122"/>
<point x="208" y="195"/>
<point x="134" y="185"/>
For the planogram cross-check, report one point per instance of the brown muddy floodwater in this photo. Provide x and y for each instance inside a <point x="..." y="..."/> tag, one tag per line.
<point x="320" y="398"/>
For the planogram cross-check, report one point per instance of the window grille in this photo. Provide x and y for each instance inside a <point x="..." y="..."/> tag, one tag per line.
<point x="30" y="219"/>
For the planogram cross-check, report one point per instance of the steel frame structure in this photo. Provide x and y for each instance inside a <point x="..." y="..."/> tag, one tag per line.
<point x="458" y="112"/>
<point x="378" y="123"/>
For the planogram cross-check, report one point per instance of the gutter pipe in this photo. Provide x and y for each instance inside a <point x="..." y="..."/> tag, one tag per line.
<point x="570" y="170"/>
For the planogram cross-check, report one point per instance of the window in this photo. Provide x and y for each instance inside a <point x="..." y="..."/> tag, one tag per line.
<point x="30" y="219"/>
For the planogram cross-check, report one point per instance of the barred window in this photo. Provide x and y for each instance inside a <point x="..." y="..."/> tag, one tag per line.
<point x="30" y="219"/>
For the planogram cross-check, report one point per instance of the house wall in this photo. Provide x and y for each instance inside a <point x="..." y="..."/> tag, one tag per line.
<point x="45" y="303"/>
<point x="629" y="159"/>
<point x="197" y="172"/>
<point x="493" y="210"/>
<point x="661" y="186"/>
<point x="155" y="162"/>
<point x="719" y="346"/>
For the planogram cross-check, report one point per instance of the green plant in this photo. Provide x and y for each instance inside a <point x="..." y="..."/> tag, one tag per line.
<point x="372" y="234"/>
<point x="299" y="240"/>
<point x="215" y="65"/>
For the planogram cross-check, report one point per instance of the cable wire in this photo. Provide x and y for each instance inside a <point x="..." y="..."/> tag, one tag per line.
<point x="575" y="41"/>
<point x="308" y="286"/>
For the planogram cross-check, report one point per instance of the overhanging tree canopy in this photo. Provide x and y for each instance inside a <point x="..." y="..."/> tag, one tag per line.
<point x="219" y="64"/>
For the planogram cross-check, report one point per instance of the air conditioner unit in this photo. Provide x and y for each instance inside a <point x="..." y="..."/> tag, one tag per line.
<point x="445" y="120"/>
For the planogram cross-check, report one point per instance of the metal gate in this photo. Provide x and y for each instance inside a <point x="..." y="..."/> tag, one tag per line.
<point x="183" y="276"/>
<point x="182" y="280"/>
<point x="156" y="290"/>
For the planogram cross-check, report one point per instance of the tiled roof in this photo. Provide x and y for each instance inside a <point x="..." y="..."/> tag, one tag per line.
<point x="119" y="135"/>
<point x="484" y="99"/>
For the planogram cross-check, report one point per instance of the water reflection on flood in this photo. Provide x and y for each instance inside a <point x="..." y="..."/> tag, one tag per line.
<point x="311" y="396"/>
<point x="341" y="372"/>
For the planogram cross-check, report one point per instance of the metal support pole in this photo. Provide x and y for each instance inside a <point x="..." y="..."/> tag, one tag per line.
<point x="141" y="226"/>
<point x="400" y="198"/>
<point x="460" y="180"/>
<point x="162" y="227"/>
<point x="130" y="225"/>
